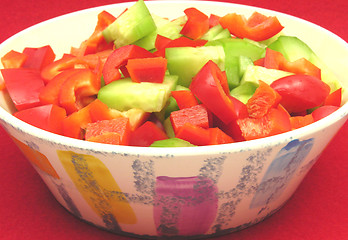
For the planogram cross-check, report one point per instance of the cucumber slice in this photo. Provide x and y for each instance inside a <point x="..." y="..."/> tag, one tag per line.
<point x="168" y="128"/>
<point x="215" y="33"/>
<point x="132" y="25"/>
<point x="244" y="91"/>
<point x="255" y="73"/>
<point x="124" y="94"/>
<point x="186" y="62"/>
<point x="172" y="142"/>
<point x="165" y="28"/>
<point x="234" y="49"/>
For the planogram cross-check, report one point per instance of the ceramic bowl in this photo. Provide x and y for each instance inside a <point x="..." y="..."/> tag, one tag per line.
<point x="188" y="192"/>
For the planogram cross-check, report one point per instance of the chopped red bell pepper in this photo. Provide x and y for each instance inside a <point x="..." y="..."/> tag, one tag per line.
<point x="197" y="115"/>
<point x="38" y="58"/>
<point x="260" y="62"/>
<point x="213" y="20"/>
<point x="161" y="41"/>
<point x="47" y="117"/>
<point x="197" y="24"/>
<point x="119" y="58"/>
<point x="53" y="69"/>
<point x="194" y="134"/>
<point x="24" y="86"/>
<point x="232" y="129"/>
<point x="262" y="100"/>
<point x="13" y="59"/>
<point x="107" y="138"/>
<point x="146" y="134"/>
<point x="301" y="121"/>
<point x="334" y="98"/>
<point x="96" y="42"/>
<point x="49" y="94"/>
<point x="118" y="129"/>
<point x="217" y="136"/>
<point x="258" y="27"/>
<point x="179" y="42"/>
<point x="75" y="124"/>
<point x="68" y="61"/>
<point x="81" y="84"/>
<point x="323" y="111"/>
<point x="206" y="86"/>
<point x="147" y="69"/>
<point x="276" y="121"/>
<point x="240" y="108"/>
<point x="184" y="98"/>
<point x="99" y="111"/>
<point x="276" y="60"/>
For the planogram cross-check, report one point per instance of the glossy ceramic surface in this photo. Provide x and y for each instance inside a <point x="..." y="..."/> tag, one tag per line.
<point x="150" y="192"/>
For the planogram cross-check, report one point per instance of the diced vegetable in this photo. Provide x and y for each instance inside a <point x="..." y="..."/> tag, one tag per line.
<point x="207" y="87"/>
<point x="258" y="27"/>
<point x="146" y="134"/>
<point x="47" y="117"/>
<point x="196" y="115"/>
<point x="23" y="85"/>
<point x="197" y="23"/>
<point x="172" y="142"/>
<point x="125" y="94"/>
<point x="132" y="25"/>
<point x="180" y="57"/>
<point x="147" y="69"/>
<point x="114" y="131"/>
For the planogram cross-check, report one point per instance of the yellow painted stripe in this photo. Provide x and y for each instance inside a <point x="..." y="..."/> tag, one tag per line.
<point x="96" y="184"/>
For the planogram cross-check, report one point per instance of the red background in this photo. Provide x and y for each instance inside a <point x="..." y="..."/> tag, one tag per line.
<point x="318" y="209"/>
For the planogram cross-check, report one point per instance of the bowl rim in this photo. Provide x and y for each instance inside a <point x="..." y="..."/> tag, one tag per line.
<point x="340" y="114"/>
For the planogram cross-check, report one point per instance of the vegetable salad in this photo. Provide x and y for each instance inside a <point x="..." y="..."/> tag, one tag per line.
<point x="145" y="80"/>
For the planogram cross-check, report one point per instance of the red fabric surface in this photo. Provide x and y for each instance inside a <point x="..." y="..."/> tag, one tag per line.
<point x="318" y="209"/>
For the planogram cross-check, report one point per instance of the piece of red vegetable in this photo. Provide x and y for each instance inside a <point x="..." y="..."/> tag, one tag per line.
<point x="334" y="98"/>
<point x="194" y="134"/>
<point x="119" y="58"/>
<point x="146" y="134"/>
<point x="258" y="27"/>
<point x="147" y="69"/>
<point x="81" y="84"/>
<point x="184" y="98"/>
<point x="197" y="24"/>
<point x="47" y="117"/>
<point x="262" y="100"/>
<point x="323" y="111"/>
<point x="24" y="86"/>
<point x="301" y="92"/>
<point x="206" y="86"/>
<point x="113" y="131"/>
<point x="38" y="58"/>
<point x="276" y="60"/>
<point x="13" y="59"/>
<point x="197" y="115"/>
<point x="276" y="121"/>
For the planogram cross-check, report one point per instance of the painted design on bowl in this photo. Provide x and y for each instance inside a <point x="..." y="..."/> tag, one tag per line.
<point x="184" y="206"/>
<point x="99" y="189"/>
<point x="281" y="171"/>
<point x="39" y="160"/>
<point x="67" y="199"/>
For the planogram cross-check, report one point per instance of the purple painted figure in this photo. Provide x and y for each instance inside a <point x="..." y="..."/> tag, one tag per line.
<point x="184" y="205"/>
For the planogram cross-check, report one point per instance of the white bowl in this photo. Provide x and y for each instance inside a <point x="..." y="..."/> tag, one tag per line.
<point x="188" y="192"/>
